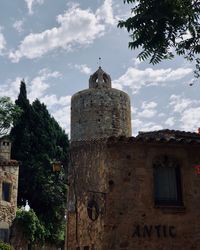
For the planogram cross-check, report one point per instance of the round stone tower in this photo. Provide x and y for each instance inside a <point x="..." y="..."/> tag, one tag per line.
<point x="100" y="111"/>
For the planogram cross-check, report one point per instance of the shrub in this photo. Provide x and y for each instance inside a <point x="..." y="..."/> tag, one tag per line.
<point x="32" y="227"/>
<point x="5" y="246"/>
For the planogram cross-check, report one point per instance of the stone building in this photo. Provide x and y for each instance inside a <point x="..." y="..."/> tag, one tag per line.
<point x="126" y="192"/>
<point x="8" y="188"/>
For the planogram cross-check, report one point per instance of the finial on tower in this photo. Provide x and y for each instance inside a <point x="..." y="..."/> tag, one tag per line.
<point x="100" y="79"/>
<point x="99" y="63"/>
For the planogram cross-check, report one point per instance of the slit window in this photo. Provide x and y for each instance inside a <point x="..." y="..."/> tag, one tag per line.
<point x="6" y="191"/>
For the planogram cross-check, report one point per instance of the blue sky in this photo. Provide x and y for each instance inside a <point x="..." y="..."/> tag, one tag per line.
<point x="55" y="46"/>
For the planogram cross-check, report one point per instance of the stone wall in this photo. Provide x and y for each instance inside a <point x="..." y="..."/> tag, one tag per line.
<point x="100" y="113"/>
<point x="118" y="176"/>
<point x="87" y="181"/>
<point x="133" y="213"/>
<point x="5" y="148"/>
<point x="9" y="170"/>
<point x="9" y="174"/>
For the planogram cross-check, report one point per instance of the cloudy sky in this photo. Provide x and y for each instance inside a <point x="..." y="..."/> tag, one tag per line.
<point x="55" y="46"/>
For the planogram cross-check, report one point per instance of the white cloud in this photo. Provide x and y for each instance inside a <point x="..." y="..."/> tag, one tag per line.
<point x="136" y="62"/>
<point x="105" y="13"/>
<point x="170" y="121"/>
<point x="18" y="25"/>
<point x="188" y="111"/>
<point x="53" y="100"/>
<point x="75" y="27"/>
<point x="139" y="125"/>
<point x="135" y="79"/>
<point x="11" y="88"/>
<point x="147" y="113"/>
<point x="2" y="42"/>
<point x="161" y="115"/>
<point x="151" y="126"/>
<point x="83" y="68"/>
<point x="149" y="105"/>
<point x="39" y="85"/>
<point x="136" y="123"/>
<point x="148" y="109"/>
<point x="180" y="103"/>
<point x="190" y="119"/>
<point x="134" y="110"/>
<point x="59" y="107"/>
<point x="30" y="4"/>
<point x="116" y="85"/>
<point x="62" y="115"/>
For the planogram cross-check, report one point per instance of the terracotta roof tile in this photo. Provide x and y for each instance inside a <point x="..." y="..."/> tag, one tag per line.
<point x="170" y="136"/>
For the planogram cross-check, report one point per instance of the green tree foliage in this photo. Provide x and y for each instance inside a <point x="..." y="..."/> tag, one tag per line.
<point x="31" y="226"/>
<point x="37" y="141"/>
<point x="163" y="28"/>
<point x="5" y="246"/>
<point x="9" y="113"/>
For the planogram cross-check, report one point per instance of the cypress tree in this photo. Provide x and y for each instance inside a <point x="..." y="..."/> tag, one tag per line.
<point x="42" y="141"/>
<point x="21" y="144"/>
<point x="22" y="100"/>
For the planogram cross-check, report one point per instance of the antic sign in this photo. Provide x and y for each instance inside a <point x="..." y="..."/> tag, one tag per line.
<point x="159" y="231"/>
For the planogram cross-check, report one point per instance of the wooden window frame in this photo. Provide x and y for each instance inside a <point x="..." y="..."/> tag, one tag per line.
<point x="163" y="162"/>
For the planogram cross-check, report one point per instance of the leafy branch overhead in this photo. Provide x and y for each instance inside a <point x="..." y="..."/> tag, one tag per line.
<point x="163" y="28"/>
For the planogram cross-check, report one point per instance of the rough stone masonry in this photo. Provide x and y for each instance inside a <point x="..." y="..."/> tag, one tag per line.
<point x="126" y="192"/>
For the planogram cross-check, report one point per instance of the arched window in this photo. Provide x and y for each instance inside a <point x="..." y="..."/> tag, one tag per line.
<point x="167" y="182"/>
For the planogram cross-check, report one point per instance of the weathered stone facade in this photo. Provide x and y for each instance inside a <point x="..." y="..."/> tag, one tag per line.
<point x="118" y="176"/>
<point x="116" y="190"/>
<point x="8" y="187"/>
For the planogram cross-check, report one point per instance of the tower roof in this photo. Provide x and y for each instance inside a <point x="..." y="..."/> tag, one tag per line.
<point x="100" y="79"/>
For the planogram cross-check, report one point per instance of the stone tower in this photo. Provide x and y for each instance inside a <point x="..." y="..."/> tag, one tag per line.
<point x="97" y="113"/>
<point x="9" y="170"/>
<point x="100" y="111"/>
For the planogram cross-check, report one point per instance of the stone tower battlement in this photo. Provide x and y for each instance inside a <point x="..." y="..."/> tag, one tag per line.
<point x="100" y="111"/>
<point x="100" y="79"/>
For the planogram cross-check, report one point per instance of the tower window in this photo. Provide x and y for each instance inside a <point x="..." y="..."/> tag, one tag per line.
<point x="167" y="182"/>
<point x="6" y="191"/>
<point x="5" y="143"/>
